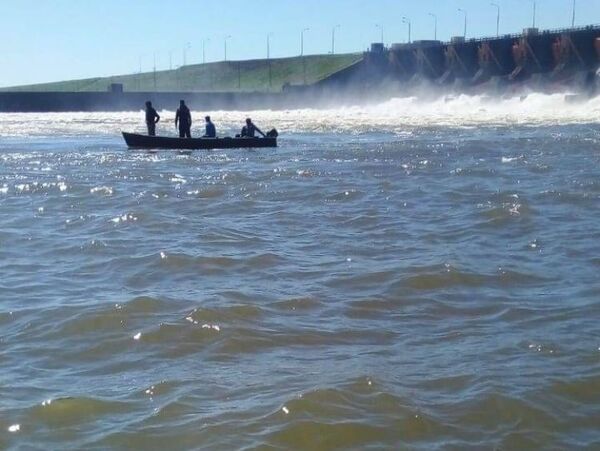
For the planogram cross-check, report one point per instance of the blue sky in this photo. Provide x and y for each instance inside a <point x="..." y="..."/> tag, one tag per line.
<point x="49" y="40"/>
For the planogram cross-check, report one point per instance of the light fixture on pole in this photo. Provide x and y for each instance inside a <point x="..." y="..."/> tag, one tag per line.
<point x="497" y="19"/>
<point x="407" y="21"/>
<point x="434" y="26"/>
<point x="465" y="29"/>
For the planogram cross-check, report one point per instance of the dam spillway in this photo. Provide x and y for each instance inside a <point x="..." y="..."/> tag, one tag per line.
<point x="544" y="57"/>
<point x="566" y="60"/>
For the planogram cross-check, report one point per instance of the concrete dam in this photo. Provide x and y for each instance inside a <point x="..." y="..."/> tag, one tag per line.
<point x="549" y="61"/>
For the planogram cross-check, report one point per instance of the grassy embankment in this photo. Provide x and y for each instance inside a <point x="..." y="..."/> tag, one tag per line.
<point x="231" y="76"/>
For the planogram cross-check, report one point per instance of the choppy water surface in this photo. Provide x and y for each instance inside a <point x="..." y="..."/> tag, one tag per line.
<point x="405" y="276"/>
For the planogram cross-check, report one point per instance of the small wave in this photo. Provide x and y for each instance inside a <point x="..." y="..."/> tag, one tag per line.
<point x="212" y="192"/>
<point x="506" y="418"/>
<point x="126" y="217"/>
<point x="234" y="313"/>
<point x="246" y="340"/>
<point x="146" y="304"/>
<point x="215" y="264"/>
<point x="345" y="196"/>
<point x="583" y="390"/>
<point x="335" y="419"/>
<point x="511" y="159"/>
<point x="177" y="339"/>
<point x="444" y="276"/>
<point x="299" y="304"/>
<point x="104" y="190"/>
<point x="373" y="308"/>
<point x="505" y="207"/>
<point x="65" y="412"/>
<point x="364" y="280"/>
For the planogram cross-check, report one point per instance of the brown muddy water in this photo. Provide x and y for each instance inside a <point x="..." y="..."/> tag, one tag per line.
<point x="419" y="279"/>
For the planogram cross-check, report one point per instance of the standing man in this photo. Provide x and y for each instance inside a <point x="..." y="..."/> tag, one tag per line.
<point x="183" y="120"/>
<point x="211" y="131"/>
<point x="152" y="119"/>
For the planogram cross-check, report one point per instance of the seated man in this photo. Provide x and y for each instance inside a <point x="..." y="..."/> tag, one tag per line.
<point x="211" y="131"/>
<point x="249" y="130"/>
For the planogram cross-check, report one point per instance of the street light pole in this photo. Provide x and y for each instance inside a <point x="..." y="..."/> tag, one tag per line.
<point x="186" y="47"/>
<point x="465" y="30"/>
<point x="434" y="26"/>
<point x="154" y="70"/>
<point x="534" y="12"/>
<point x="497" y="19"/>
<point x="204" y="41"/>
<point x="139" y="78"/>
<point x="573" y="20"/>
<point x="333" y="39"/>
<point x="381" y="28"/>
<point x="302" y="54"/>
<point x="269" y="58"/>
<point x="269" y="45"/>
<point x="225" y="45"/>
<point x="302" y="41"/>
<point x="407" y="21"/>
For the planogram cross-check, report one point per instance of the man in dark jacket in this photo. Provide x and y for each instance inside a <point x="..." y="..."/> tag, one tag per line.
<point x="249" y="130"/>
<point x="152" y="119"/>
<point x="211" y="131"/>
<point x="183" y="120"/>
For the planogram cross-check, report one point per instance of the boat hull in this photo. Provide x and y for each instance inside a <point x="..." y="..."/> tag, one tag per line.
<point x="136" y="141"/>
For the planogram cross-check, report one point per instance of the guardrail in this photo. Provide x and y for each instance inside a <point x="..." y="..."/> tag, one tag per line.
<point x="501" y="37"/>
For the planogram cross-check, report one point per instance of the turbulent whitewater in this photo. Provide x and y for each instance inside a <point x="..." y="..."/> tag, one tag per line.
<point x="407" y="275"/>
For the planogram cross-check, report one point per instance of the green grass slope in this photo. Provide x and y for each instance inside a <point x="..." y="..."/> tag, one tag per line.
<point x="231" y="76"/>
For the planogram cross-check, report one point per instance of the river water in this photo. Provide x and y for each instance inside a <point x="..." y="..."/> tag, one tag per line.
<point x="401" y="276"/>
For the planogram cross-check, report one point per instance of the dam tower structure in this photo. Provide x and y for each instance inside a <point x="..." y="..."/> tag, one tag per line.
<point x="419" y="60"/>
<point x="461" y="61"/>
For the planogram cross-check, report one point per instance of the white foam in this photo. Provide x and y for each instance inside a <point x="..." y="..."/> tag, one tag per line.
<point x="211" y="326"/>
<point x="178" y="179"/>
<point x="124" y="218"/>
<point x="397" y="115"/>
<point x="106" y="190"/>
